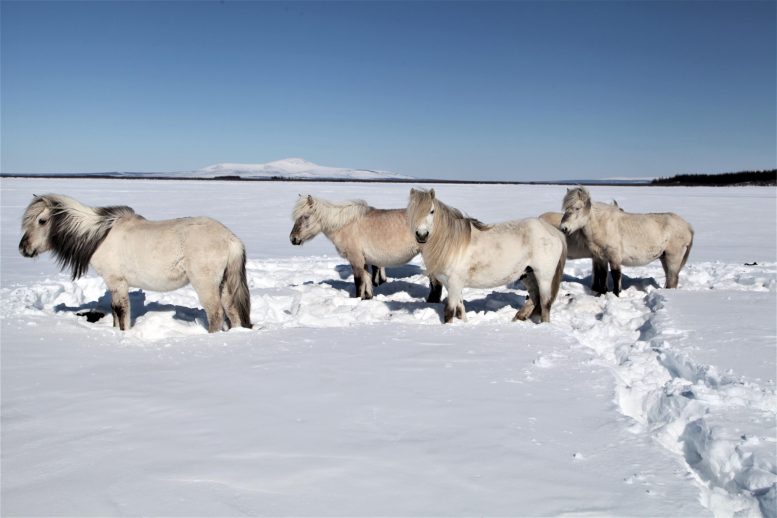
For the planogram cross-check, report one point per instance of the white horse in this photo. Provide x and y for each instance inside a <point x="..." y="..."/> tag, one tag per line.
<point x="129" y="251"/>
<point x="621" y="238"/>
<point x="361" y="234"/>
<point x="462" y="252"/>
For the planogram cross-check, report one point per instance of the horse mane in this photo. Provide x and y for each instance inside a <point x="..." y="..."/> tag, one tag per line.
<point x="331" y="216"/>
<point x="76" y="229"/>
<point x="452" y="231"/>
<point x="576" y="193"/>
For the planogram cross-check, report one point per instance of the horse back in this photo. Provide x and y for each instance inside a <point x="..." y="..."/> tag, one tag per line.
<point x="384" y="236"/>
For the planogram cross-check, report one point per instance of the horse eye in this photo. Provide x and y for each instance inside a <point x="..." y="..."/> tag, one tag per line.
<point x="41" y="221"/>
<point x="431" y="211"/>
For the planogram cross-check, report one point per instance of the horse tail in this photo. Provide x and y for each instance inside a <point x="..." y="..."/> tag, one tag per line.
<point x="236" y="284"/>
<point x="562" y="261"/>
<point x="687" y="251"/>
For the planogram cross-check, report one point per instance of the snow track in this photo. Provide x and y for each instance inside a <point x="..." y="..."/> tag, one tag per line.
<point x="720" y="425"/>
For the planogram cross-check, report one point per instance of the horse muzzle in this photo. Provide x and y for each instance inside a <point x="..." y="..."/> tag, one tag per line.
<point x="421" y="238"/>
<point x="295" y="240"/>
<point x="27" y="253"/>
<point x="23" y="248"/>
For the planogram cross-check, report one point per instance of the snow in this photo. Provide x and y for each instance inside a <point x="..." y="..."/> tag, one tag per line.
<point x="292" y="168"/>
<point x="656" y="403"/>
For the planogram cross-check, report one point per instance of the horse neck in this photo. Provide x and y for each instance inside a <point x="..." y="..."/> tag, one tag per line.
<point x="332" y="217"/>
<point x="450" y="236"/>
<point x="596" y="219"/>
<point x="79" y="229"/>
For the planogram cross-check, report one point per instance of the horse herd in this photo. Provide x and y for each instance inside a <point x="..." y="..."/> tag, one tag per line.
<point x="458" y="251"/>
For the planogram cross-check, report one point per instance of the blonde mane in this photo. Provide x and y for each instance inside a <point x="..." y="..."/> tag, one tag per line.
<point x="451" y="233"/>
<point x="576" y="193"/>
<point x="331" y="216"/>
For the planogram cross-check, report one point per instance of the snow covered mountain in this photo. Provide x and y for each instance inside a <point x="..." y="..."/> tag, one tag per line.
<point x="292" y="168"/>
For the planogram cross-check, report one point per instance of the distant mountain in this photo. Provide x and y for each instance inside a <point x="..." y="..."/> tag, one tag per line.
<point x="290" y="168"/>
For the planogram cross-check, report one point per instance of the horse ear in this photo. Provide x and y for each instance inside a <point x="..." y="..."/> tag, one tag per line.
<point x="431" y="193"/>
<point x="310" y="200"/>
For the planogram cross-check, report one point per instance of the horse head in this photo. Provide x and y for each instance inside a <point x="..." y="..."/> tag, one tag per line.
<point x="420" y="214"/>
<point x="36" y="227"/>
<point x="577" y="208"/>
<point x="306" y="224"/>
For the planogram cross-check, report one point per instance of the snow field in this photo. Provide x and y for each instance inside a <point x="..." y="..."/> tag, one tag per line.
<point x="647" y="404"/>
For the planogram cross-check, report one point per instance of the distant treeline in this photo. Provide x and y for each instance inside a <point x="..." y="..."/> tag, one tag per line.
<point x="741" y="178"/>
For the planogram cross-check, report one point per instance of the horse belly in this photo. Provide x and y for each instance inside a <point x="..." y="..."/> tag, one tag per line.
<point x="388" y="256"/>
<point x="491" y="270"/>
<point x="154" y="282"/>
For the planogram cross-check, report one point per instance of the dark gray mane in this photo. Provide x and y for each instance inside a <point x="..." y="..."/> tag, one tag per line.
<point x="77" y="230"/>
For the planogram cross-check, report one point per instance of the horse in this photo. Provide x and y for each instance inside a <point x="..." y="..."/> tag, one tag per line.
<point x="577" y="249"/>
<point x="463" y="252"/>
<point x="128" y="250"/>
<point x="622" y="238"/>
<point x="361" y="234"/>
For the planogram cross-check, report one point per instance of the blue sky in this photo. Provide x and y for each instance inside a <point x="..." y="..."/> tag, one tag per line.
<point x="487" y="90"/>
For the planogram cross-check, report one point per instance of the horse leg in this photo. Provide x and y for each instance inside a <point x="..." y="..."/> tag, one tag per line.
<point x="671" y="265"/>
<point x="435" y="291"/>
<point x="453" y="304"/>
<point x="120" y="306"/>
<point x="209" y="292"/>
<point x="361" y="280"/>
<point x="228" y="305"/>
<point x="378" y="275"/>
<point x="546" y="300"/>
<point x="615" y="271"/>
<point x="461" y="313"/>
<point x="599" y="282"/>
<point x="532" y="304"/>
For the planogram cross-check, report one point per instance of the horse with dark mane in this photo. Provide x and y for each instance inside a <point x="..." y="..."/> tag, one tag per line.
<point x="129" y="251"/>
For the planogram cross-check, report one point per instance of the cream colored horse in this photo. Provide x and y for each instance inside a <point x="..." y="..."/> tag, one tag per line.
<point x="577" y="249"/>
<point x="621" y="238"/>
<point x="462" y="252"/>
<point x="130" y="251"/>
<point x="363" y="235"/>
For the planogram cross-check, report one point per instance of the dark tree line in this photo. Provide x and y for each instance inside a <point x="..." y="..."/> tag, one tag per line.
<point x="741" y="178"/>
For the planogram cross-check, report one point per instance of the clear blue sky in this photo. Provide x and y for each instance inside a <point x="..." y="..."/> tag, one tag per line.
<point x="496" y="90"/>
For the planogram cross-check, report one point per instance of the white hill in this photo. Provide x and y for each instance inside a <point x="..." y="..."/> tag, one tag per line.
<point x="292" y="168"/>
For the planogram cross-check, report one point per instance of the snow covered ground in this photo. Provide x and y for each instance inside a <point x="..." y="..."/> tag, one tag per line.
<point x="655" y="403"/>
